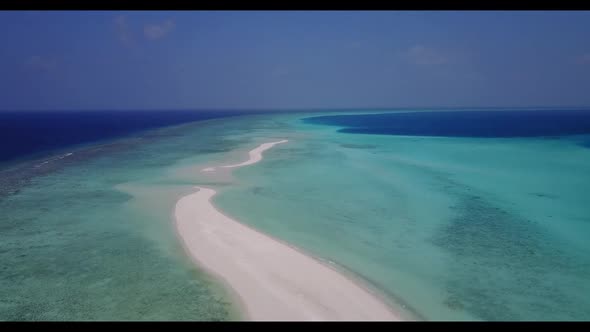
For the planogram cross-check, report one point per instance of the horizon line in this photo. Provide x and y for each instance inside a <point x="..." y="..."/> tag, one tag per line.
<point x="319" y="109"/>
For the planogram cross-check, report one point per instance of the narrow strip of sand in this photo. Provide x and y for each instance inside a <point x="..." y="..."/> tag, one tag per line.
<point x="254" y="156"/>
<point x="273" y="280"/>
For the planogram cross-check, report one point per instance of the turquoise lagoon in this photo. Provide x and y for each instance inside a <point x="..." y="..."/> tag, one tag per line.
<point x="448" y="228"/>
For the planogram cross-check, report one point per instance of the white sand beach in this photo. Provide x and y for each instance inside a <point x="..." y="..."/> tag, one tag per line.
<point x="273" y="280"/>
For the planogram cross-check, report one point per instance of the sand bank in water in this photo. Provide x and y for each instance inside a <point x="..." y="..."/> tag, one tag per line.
<point x="273" y="280"/>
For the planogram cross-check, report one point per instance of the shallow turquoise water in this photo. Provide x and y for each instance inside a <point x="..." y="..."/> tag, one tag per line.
<point x="453" y="228"/>
<point x="450" y="228"/>
<point x="90" y="238"/>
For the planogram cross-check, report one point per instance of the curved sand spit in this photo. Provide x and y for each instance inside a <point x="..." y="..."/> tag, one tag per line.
<point x="255" y="156"/>
<point x="273" y="280"/>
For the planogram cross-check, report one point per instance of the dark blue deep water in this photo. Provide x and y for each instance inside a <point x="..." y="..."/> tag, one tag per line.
<point x="23" y="134"/>
<point x="517" y="123"/>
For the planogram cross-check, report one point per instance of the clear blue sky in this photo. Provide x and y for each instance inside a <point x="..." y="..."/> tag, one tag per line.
<point x="251" y="60"/>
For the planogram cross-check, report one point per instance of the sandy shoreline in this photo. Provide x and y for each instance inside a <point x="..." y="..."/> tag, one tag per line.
<point x="273" y="280"/>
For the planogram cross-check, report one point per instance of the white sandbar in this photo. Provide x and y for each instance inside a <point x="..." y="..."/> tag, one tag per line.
<point x="273" y="280"/>
<point x="255" y="156"/>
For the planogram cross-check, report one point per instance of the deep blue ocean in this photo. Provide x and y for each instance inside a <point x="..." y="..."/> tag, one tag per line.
<point x="510" y="123"/>
<point x="34" y="133"/>
<point x="24" y="134"/>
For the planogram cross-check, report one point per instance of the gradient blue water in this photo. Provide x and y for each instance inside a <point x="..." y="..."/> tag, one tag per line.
<point x="88" y="235"/>
<point x="31" y="133"/>
<point x="455" y="228"/>
<point x="511" y="123"/>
